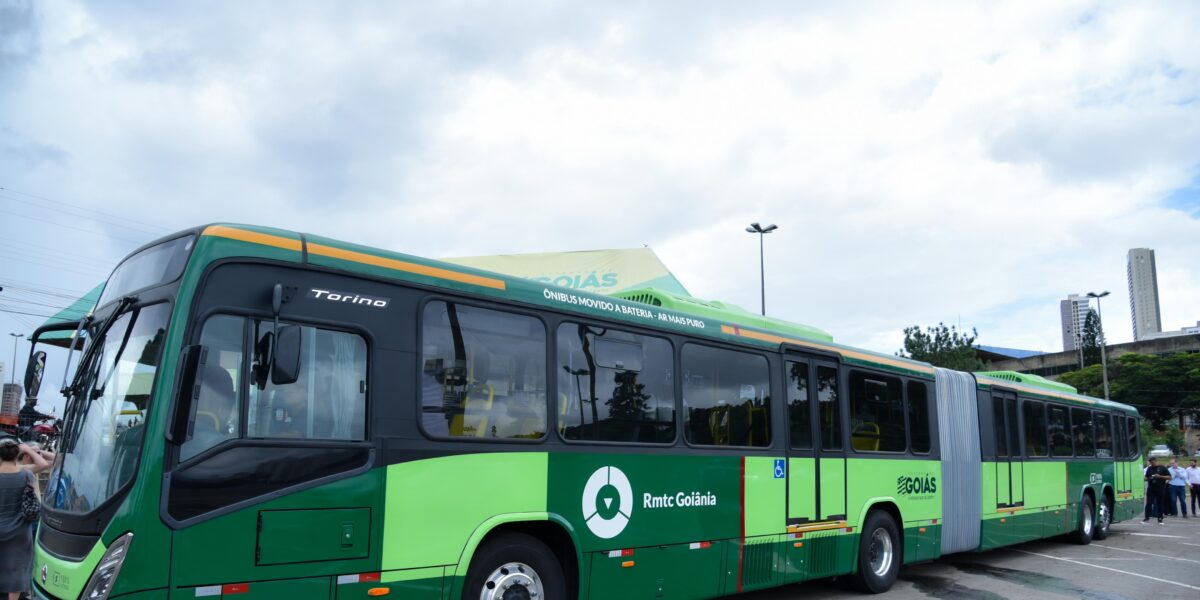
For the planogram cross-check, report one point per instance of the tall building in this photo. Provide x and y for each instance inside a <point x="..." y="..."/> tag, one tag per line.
<point x="10" y="401"/>
<point x="1074" y="312"/>
<point x="1143" y="293"/>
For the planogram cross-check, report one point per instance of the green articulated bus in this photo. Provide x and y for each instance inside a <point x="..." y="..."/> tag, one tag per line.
<point x="256" y="413"/>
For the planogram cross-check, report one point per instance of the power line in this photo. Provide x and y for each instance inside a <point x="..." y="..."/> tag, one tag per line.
<point x="18" y="312"/>
<point x="34" y="248"/>
<point x="84" y="230"/>
<point x="10" y="191"/>
<point x="29" y="285"/>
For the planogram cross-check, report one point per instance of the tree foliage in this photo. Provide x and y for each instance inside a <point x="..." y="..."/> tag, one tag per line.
<point x="1091" y="338"/>
<point x="1161" y="387"/>
<point x="942" y="346"/>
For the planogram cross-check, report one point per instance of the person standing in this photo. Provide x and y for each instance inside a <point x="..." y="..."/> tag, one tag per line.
<point x="1193" y="477"/>
<point x="1178" y="489"/>
<point x="1157" y="477"/>
<point x="16" y="538"/>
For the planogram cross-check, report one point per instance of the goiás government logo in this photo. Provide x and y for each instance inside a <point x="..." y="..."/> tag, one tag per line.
<point x="607" y="502"/>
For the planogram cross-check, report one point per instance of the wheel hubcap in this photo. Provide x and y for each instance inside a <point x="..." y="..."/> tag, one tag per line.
<point x="1087" y="519"/>
<point x="1105" y="516"/>
<point x="880" y="552"/>
<point x="512" y="581"/>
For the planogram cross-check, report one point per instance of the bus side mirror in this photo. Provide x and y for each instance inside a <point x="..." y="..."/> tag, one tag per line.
<point x="285" y="364"/>
<point x="183" y="411"/>
<point x="34" y="370"/>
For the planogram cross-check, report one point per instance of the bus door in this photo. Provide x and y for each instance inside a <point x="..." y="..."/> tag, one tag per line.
<point x="267" y="488"/>
<point x="816" y="498"/>
<point x="1010" y="473"/>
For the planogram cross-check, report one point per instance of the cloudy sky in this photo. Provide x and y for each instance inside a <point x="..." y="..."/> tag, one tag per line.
<point x="967" y="163"/>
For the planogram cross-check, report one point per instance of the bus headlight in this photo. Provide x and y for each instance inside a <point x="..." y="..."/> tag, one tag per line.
<point x="106" y="572"/>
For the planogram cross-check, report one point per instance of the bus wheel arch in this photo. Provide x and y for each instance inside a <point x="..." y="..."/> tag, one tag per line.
<point x="880" y="549"/>
<point x="550" y="531"/>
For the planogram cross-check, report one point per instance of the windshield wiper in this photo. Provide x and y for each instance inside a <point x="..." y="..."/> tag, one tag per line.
<point x="87" y="364"/>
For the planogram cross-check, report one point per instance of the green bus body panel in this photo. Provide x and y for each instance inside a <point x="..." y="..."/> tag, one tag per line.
<point x="312" y="535"/>
<point x="358" y="496"/>
<point x="435" y="505"/>
<point x="64" y="578"/>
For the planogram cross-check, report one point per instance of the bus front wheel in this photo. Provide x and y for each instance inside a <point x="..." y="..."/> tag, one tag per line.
<point x="514" y="566"/>
<point x="879" y="554"/>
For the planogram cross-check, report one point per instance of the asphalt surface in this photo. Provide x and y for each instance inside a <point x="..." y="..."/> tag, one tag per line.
<point x="1136" y="562"/>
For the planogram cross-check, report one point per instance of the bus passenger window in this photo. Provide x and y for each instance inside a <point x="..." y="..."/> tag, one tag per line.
<point x="876" y="413"/>
<point x="1001" y="433"/>
<point x="218" y="405"/>
<point x="327" y="401"/>
<point x="1060" y="437"/>
<point x="614" y="386"/>
<point x="483" y="373"/>
<point x="1035" y="428"/>
<point x="1104" y="445"/>
<point x="799" y="417"/>
<point x="726" y="397"/>
<point x="918" y="417"/>
<point x="1081" y="421"/>
<point x="829" y="411"/>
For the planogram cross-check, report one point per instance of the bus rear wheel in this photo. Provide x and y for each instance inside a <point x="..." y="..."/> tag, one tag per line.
<point x="514" y="566"/>
<point x="1087" y="522"/>
<point x="1104" y="518"/>
<point x="879" y="554"/>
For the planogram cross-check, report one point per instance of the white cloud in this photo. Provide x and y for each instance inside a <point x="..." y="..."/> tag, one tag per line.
<point x="926" y="162"/>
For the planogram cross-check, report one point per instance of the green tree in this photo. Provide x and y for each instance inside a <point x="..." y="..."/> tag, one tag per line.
<point x="1089" y="380"/>
<point x="1090" y="339"/>
<point x="1163" y="388"/>
<point x="942" y="346"/>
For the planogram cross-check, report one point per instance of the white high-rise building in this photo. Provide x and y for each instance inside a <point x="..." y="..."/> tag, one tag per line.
<point x="1143" y="293"/>
<point x="1074" y="312"/>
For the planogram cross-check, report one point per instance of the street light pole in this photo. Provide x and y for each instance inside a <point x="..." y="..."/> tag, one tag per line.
<point x="762" y="269"/>
<point x="1103" y="341"/>
<point x="16" y="337"/>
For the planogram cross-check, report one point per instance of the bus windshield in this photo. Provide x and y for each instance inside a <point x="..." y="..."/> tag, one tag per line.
<point x="105" y="419"/>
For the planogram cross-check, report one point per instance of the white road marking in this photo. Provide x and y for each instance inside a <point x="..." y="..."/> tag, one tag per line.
<point x="1187" y="544"/>
<point x="1149" y="554"/>
<point x="1099" y="558"/>
<point x="1155" y="535"/>
<point x="1077" y="562"/>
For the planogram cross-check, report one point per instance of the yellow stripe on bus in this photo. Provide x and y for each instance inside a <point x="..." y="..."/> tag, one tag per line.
<point x="408" y="267"/>
<point x="276" y="241"/>
<point x="777" y="339"/>
<point x="253" y="237"/>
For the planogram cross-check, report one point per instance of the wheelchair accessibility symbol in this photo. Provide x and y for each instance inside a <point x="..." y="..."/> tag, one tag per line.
<point x="780" y="470"/>
<point x="607" y="502"/>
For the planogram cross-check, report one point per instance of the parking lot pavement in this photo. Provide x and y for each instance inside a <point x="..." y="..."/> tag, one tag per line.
<point x="1136" y="562"/>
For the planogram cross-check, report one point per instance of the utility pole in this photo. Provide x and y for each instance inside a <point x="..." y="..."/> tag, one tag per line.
<point x="16" y="337"/>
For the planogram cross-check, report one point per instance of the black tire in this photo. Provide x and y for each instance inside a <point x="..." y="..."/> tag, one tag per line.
<point x="1103" y="519"/>
<point x="509" y="549"/>
<point x="876" y="572"/>
<point x="1087" y="522"/>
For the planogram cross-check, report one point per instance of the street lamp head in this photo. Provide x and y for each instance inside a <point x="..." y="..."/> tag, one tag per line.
<point x="770" y="228"/>
<point x="751" y="230"/>
<point x="1095" y="295"/>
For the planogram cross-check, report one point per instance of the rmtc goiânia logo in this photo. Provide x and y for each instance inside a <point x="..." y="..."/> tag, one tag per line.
<point x="916" y="485"/>
<point x="607" y="502"/>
